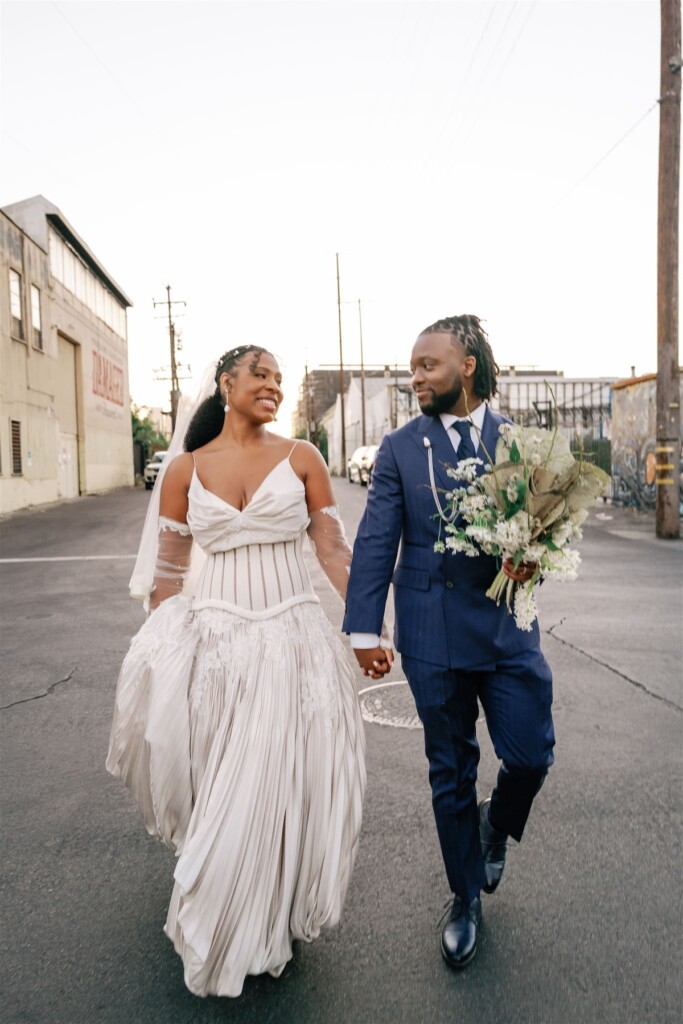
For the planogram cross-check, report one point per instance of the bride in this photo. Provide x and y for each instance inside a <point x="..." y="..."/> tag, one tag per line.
<point x="236" y="725"/>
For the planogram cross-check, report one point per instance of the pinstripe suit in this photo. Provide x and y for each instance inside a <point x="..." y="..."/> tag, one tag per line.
<point x="456" y="645"/>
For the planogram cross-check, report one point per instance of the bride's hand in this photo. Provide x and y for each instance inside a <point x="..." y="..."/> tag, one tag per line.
<point x="374" y="661"/>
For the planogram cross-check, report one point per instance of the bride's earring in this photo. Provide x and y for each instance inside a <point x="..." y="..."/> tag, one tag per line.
<point x="226" y="406"/>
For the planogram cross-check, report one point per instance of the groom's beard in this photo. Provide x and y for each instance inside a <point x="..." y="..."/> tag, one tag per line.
<point x="444" y="402"/>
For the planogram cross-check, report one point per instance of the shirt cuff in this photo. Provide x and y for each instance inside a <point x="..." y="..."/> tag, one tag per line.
<point x="364" y="641"/>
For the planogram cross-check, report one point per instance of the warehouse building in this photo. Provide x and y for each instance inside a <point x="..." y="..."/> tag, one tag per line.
<point x="65" y="423"/>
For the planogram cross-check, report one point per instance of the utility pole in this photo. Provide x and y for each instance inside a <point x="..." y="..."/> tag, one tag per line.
<point x="175" y="390"/>
<point x="395" y="403"/>
<point x="668" y="379"/>
<point x="341" y="377"/>
<point x="307" y="400"/>
<point x="362" y="378"/>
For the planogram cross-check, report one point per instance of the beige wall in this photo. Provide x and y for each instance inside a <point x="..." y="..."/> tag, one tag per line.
<point x="71" y="398"/>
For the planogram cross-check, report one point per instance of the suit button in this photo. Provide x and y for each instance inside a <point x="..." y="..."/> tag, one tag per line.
<point x="449" y="584"/>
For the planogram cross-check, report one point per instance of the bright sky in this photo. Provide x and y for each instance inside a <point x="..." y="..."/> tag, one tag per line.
<point x="231" y="149"/>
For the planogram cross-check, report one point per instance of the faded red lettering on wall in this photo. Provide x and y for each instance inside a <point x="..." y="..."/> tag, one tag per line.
<point x="107" y="379"/>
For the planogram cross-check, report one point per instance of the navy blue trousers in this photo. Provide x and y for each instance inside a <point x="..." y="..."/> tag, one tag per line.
<point x="516" y="696"/>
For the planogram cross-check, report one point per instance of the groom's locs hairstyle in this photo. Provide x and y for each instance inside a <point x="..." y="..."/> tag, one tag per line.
<point x="468" y="331"/>
<point x="208" y="420"/>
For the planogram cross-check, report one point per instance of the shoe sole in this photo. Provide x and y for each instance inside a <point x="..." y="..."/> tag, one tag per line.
<point x="461" y="963"/>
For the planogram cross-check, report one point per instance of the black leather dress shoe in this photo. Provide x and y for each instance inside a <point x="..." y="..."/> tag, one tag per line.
<point x="459" y="935"/>
<point x="493" y="847"/>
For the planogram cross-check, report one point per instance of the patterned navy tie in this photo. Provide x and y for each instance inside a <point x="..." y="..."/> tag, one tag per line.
<point x="465" y="448"/>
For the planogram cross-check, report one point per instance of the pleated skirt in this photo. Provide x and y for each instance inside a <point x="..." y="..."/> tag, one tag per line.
<point x="242" y="743"/>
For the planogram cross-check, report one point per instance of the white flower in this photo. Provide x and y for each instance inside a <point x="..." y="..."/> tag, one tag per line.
<point x="474" y="505"/>
<point x="439" y="547"/>
<point x="525" y="608"/>
<point x="481" y="535"/>
<point x="535" y="552"/>
<point x="513" y="534"/>
<point x="561" y="565"/>
<point x="461" y="544"/>
<point x="511" y="488"/>
<point x="562" y="533"/>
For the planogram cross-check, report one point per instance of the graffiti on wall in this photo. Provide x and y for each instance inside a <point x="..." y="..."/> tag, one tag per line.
<point x="634" y="425"/>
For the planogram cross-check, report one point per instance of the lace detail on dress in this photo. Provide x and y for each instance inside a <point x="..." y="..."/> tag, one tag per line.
<point x="155" y="639"/>
<point x="331" y="510"/>
<point x="172" y="524"/>
<point x="233" y="651"/>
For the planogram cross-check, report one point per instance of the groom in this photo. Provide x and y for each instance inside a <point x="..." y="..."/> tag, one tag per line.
<point x="457" y="646"/>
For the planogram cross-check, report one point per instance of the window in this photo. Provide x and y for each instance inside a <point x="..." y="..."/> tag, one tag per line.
<point x="15" y="430"/>
<point x="56" y="256"/>
<point x="69" y="279"/>
<point x="15" y="305"/>
<point x="36" y="323"/>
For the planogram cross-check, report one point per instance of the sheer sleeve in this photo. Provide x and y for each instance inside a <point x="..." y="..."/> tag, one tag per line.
<point x="327" y="537"/>
<point x="173" y="560"/>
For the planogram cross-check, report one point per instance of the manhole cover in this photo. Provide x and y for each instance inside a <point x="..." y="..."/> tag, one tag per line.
<point x="389" y="704"/>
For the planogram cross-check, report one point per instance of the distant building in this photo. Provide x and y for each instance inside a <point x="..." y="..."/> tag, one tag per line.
<point x="317" y="392"/>
<point x="161" y="421"/>
<point x="389" y="403"/>
<point x="65" y="424"/>
<point x="581" y="406"/>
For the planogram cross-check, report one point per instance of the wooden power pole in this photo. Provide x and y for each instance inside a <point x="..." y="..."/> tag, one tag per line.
<point x="342" y="471"/>
<point x="175" y="388"/>
<point x="668" y="379"/>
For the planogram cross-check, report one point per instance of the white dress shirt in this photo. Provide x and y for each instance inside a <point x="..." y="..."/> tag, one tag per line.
<point x="365" y="641"/>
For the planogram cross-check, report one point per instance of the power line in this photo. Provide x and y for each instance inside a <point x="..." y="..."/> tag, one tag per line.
<point x="502" y="68"/>
<point x="604" y="157"/>
<point x="97" y="57"/>
<point x="463" y="82"/>
<point x="469" y="110"/>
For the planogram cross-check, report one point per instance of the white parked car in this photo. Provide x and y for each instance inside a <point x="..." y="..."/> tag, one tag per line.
<point x="152" y="469"/>
<point x="359" y="467"/>
<point x="353" y="466"/>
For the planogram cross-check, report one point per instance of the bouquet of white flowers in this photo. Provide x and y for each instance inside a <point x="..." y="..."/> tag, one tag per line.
<point x="525" y="509"/>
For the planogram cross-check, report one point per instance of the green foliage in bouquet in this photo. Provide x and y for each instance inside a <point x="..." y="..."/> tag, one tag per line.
<point x="525" y="509"/>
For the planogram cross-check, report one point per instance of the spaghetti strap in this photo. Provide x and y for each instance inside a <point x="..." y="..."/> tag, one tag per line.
<point x="289" y="456"/>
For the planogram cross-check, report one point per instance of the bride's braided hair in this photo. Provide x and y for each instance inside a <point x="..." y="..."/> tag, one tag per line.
<point x="208" y="420"/>
<point x="468" y="331"/>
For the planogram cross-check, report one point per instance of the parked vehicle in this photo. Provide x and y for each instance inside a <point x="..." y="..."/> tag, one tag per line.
<point x="359" y="467"/>
<point x="367" y="464"/>
<point x="152" y="468"/>
<point x="353" y="466"/>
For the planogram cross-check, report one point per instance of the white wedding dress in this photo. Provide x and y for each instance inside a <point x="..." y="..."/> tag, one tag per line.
<point x="237" y="728"/>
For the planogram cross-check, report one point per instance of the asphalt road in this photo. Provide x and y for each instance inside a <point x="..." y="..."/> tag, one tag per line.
<point x="586" y="926"/>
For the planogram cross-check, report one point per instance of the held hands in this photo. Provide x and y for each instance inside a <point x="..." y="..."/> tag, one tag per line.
<point x="523" y="572"/>
<point x="375" y="661"/>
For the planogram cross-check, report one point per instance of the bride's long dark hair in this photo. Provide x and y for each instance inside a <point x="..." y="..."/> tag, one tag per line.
<point x="208" y="420"/>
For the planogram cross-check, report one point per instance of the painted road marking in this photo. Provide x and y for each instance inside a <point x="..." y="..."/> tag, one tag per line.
<point x="70" y="558"/>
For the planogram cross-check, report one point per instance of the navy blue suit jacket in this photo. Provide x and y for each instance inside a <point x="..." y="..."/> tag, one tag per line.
<point x="442" y="613"/>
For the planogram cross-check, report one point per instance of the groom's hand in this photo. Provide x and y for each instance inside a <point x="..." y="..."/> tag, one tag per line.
<point x="375" y="661"/>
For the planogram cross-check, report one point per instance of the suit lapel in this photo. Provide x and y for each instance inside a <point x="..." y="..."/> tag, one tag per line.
<point x="443" y="453"/>
<point x="489" y="435"/>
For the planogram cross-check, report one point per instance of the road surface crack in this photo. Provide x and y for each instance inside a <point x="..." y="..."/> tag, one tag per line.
<point x="610" y="668"/>
<point x="39" y="696"/>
